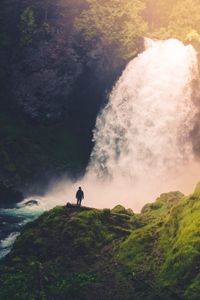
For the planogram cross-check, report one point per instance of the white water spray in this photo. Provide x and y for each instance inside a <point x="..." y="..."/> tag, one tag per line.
<point x="145" y="129"/>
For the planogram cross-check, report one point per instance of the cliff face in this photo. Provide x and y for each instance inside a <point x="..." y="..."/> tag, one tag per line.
<point x="53" y="84"/>
<point x="45" y="58"/>
<point x="82" y="253"/>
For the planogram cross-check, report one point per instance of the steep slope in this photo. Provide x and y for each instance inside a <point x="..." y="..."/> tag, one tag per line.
<point x="83" y="253"/>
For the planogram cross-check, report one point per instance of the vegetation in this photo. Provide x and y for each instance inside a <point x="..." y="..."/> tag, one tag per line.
<point x="180" y="20"/>
<point x="121" y="23"/>
<point x="27" y="26"/>
<point x="117" y="23"/>
<point x="83" y="253"/>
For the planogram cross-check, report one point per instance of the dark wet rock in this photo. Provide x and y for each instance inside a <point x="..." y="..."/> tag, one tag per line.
<point x="31" y="203"/>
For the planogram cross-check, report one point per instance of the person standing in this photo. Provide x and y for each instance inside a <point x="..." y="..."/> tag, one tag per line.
<point x="79" y="196"/>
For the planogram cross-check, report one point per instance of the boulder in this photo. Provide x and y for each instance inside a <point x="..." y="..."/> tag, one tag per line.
<point x="31" y="202"/>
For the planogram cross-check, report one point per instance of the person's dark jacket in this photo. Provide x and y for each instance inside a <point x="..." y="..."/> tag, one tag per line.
<point x="79" y="195"/>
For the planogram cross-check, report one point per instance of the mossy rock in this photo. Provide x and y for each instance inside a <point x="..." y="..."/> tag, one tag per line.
<point x="130" y="211"/>
<point x="119" y="209"/>
<point x="197" y="191"/>
<point x="152" y="206"/>
<point x="171" y="197"/>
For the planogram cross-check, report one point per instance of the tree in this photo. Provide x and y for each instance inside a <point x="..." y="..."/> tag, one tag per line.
<point x="184" y="21"/>
<point x="27" y="26"/>
<point x="116" y="22"/>
<point x="179" y="19"/>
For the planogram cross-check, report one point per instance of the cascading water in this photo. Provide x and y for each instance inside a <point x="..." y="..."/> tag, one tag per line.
<point x="145" y="129"/>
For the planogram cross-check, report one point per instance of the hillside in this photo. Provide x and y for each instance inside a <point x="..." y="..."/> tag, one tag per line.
<point x="85" y="253"/>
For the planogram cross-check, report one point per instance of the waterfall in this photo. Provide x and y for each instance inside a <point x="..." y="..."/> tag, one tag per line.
<point x="145" y="129"/>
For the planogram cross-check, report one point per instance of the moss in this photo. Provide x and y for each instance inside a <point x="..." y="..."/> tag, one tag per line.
<point x="119" y="209"/>
<point x="82" y="253"/>
<point x="27" y="26"/>
<point x="153" y="206"/>
<point x="193" y="290"/>
<point x="171" y="197"/>
<point x="130" y="212"/>
<point x="197" y="191"/>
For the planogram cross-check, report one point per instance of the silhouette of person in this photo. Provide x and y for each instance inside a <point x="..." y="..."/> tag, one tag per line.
<point x="79" y="196"/>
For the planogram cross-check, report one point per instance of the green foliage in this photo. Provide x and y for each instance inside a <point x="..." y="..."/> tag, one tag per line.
<point x="178" y="19"/>
<point x="105" y="214"/>
<point x="181" y="235"/>
<point x="184" y="19"/>
<point x="193" y="290"/>
<point x="27" y="26"/>
<point x="197" y="191"/>
<point x="56" y="254"/>
<point x="114" y="23"/>
<point x="119" y="209"/>
<point x="165" y="250"/>
<point x="121" y="23"/>
<point x="75" y="253"/>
